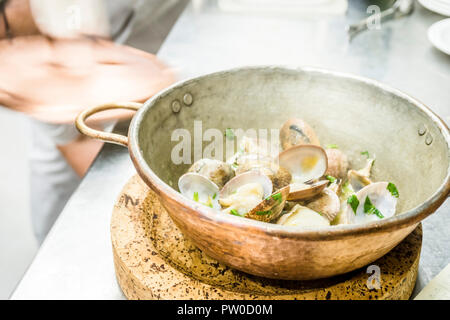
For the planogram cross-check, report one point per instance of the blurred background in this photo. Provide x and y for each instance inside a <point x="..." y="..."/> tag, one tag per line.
<point x="58" y="57"/>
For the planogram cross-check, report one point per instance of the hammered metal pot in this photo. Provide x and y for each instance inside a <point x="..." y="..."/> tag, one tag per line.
<point x="410" y="142"/>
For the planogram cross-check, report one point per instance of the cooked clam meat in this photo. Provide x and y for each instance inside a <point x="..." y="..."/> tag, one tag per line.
<point x="244" y="199"/>
<point x="303" y="217"/>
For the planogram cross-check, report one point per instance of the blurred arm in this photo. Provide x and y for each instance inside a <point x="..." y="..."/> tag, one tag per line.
<point x="19" y="18"/>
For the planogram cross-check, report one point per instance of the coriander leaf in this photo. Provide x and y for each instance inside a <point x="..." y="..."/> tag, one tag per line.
<point x="365" y="153"/>
<point x="369" y="208"/>
<point x="263" y="213"/>
<point x="393" y="189"/>
<point x="331" y="179"/>
<point x="229" y="133"/>
<point x="353" y="202"/>
<point x="234" y="212"/>
<point x="277" y="196"/>
<point x="332" y="146"/>
<point x="196" y="196"/>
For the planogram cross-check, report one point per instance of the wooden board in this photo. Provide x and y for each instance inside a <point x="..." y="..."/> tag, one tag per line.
<point x="153" y="260"/>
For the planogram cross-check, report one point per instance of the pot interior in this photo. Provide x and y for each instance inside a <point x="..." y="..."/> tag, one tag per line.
<point x="353" y="114"/>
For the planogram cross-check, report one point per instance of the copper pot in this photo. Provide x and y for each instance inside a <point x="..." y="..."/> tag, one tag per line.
<point x="410" y="142"/>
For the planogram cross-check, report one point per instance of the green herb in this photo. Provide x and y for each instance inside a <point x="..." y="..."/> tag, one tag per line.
<point x="263" y="213"/>
<point x="209" y="202"/>
<point x="229" y="133"/>
<point x="332" y="146"/>
<point x="277" y="196"/>
<point x="392" y="189"/>
<point x="196" y="196"/>
<point x="369" y="208"/>
<point x="353" y="202"/>
<point x="365" y="153"/>
<point x="331" y="179"/>
<point x="214" y="195"/>
<point x="234" y="212"/>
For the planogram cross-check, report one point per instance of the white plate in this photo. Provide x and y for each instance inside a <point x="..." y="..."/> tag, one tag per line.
<point x="438" y="6"/>
<point x="439" y="35"/>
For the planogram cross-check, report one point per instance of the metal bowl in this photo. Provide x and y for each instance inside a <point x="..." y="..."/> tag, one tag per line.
<point x="411" y="144"/>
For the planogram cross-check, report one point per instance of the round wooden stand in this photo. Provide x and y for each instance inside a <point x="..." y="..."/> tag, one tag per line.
<point x="153" y="260"/>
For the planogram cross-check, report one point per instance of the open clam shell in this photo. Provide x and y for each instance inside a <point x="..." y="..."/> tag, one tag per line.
<point x="327" y="203"/>
<point x="303" y="191"/>
<point x="199" y="188"/>
<point x="304" y="162"/>
<point x="379" y="198"/>
<point x="360" y="178"/>
<point x="217" y="171"/>
<point x="271" y="207"/>
<point x="279" y="176"/>
<point x="245" y="178"/>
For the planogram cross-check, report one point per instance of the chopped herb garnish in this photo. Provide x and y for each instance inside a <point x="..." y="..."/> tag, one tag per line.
<point x="332" y="146"/>
<point x="229" y="133"/>
<point x="353" y="202"/>
<point x="365" y="153"/>
<point x="331" y="179"/>
<point x="277" y="196"/>
<point x="234" y="212"/>
<point x="392" y="189"/>
<point x="196" y="196"/>
<point x="369" y="208"/>
<point x="263" y="213"/>
<point x="209" y="203"/>
<point x="214" y="195"/>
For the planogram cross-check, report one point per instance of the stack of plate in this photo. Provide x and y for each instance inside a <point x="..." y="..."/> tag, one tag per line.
<point x="439" y="35"/>
<point x="438" y="6"/>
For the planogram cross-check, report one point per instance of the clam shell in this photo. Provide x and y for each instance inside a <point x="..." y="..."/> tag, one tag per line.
<point x="217" y="171"/>
<point x="302" y="191"/>
<point x="337" y="163"/>
<point x="207" y="191"/>
<point x="271" y="207"/>
<point x="245" y="178"/>
<point x="305" y="162"/>
<point x="380" y="197"/>
<point x="279" y="176"/>
<point x="327" y="203"/>
<point x="297" y="132"/>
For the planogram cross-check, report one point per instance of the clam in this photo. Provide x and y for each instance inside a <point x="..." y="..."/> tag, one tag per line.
<point x="327" y="203"/>
<point x="337" y="163"/>
<point x="301" y="191"/>
<point x="244" y="192"/>
<point x="271" y="207"/>
<point x="360" y="178"/>
<point x="245" y="178"/>
<point x="250" y="195"/>
<point x="197" y="187"/>
<point x="279" y="176"/>
<point x="297" y="132"/>
<point x="217" y="171"/>
<point x="374" y="202"/>
<point x="303" y="217"/>
<point x="305" y="163"/>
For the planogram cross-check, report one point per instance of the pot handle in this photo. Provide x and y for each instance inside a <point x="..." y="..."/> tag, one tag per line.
<point x="81" y="125"/>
